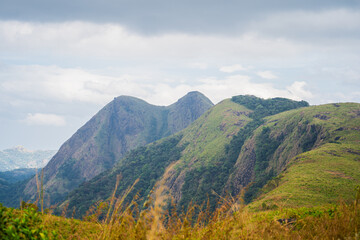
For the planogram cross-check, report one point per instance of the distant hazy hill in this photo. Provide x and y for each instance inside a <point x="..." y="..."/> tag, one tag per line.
<point x="17" y="175"/>
<point x="122" y="125"/>
<point x="19" y="157"/>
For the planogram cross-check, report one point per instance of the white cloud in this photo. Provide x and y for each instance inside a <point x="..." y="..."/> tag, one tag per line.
<point x="267" y="75"/>
<point x="240" y="84"/>
<point x="232" y="68"/>
<point x="297" y="89"/>
<point x="55" y="84"/>
<point x="45" y="119"/>
<point x="65" y="84"/>
<point x="199" y="65"/>
<point x="85" y="39"/>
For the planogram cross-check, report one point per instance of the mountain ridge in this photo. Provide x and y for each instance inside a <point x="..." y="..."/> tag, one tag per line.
<point x="231" y="148"/>
<point x="204" y="144"/>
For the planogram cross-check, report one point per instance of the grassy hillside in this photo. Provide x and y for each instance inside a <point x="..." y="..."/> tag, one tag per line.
<point x="202" y="166"/>
<point x="315" y="178"/>
<point x="203" y="172"/>
<point x="326" y="173"/>
<point x="284" y="136"/>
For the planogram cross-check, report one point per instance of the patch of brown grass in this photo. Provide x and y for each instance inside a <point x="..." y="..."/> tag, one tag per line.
<point x="230" y="221"/>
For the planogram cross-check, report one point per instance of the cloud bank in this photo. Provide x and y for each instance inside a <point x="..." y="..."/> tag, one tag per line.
<point x="45" y="119"/>
<point x="55" y="84"/>
<point x="60" y="62"/>
<point x="267" y="75"/>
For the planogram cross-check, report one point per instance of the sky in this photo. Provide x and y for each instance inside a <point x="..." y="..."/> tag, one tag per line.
<point x="62" y="61"/>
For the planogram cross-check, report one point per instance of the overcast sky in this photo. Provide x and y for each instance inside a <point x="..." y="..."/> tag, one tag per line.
<point x="62" y="61"/>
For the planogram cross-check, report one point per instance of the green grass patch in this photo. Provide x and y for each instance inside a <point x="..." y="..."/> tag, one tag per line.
<point x="321" y="176"/>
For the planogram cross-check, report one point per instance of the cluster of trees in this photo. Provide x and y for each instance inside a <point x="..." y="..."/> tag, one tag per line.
<point x="266" y="107"/>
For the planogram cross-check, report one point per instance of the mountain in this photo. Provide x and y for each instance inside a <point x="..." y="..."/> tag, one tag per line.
<point x="122" y="125"/>
<point x="278" y="152"/>
<point x="192" y="163"/>
<point x="19" y="157"/>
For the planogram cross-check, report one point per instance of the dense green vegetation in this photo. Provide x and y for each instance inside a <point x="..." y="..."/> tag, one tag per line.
<point x="10" y="193"/>
<point x="144" y="163"/>
<point x="267" y="107"/>
<point x="26" y="223"/>
<point x="265" y="148"/>
<point x="14" y="182"/>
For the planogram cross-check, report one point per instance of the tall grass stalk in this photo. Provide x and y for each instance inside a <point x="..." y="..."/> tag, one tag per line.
<point x="40" y="189"/>
<point x="117" y="212"/>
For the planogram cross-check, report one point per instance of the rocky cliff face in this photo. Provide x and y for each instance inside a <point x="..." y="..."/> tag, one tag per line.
<point x="122" y="125"/>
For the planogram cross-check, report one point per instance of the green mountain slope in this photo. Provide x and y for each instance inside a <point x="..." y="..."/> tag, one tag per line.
<point x="326" y="173"/>
<point x="286" y="135"/>
<point x="208" y="153"/>
<point x="201" y="177"/>
<point x="122" y="125"/>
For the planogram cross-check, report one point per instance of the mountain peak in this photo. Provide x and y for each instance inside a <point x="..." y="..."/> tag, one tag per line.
<point x="195" y="96"/>
<point x="187" y="109"/>
<point x="22" y="149"/>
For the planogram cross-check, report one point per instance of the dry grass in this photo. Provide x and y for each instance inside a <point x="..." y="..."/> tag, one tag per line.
<point x="116" y="220"/>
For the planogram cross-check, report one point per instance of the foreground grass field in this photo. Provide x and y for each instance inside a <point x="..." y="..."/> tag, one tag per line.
<point x="230" y="221"/>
